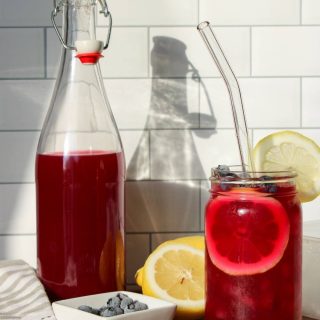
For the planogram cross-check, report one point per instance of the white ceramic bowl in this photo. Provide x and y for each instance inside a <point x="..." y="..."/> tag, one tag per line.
<point x="157" y="309"/>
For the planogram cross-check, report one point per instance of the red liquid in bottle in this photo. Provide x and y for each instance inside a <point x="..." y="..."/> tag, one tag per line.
<point x="80" y="222"/>
<point x="274" y="293"/>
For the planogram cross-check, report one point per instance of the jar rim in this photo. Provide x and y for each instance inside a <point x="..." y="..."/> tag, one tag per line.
<point x="247" y="177"/>
<point x="78" y="3"/>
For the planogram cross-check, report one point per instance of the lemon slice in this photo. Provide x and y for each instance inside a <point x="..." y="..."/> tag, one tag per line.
<point x="289" y="150"/>
<point x="175" y="272"/>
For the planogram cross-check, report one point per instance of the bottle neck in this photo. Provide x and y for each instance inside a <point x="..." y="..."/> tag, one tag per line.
<point x="78" y="24"/>
<point x="78" y="21"/>
<point x="80" y="117"/>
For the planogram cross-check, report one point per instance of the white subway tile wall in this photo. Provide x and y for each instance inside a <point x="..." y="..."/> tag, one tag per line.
<point x="170" y="104"/>
<point x="250" y="12"/>
<point x="262" y="98"/>
<point x="135" y="257"/>
<point x="286" y="51"/>
<point x="17" y="156"/>
<point x="234" y="40"/>
<point x="310" y="116"/>
<point x="18" y="246"/>
<point x="22" y="53"/>
<point x="17" y="197"/>
<point x="310" y="12"/>
<point x="24" y="104"/>
<point x="16" y="13"/>
<point x="153" y="12"/>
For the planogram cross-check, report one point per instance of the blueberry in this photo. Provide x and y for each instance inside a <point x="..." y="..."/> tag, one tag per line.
<point x="118" y="310"/>
<point x="125" y="302"/>
<point x="85" y="308"/>
<point x="269" y="187"/>
<point x="244" y="175"/>
<point x="116" y="305"/>
<point x="138" y="306"/>
<point x="130" y="308"/>
<point x="223" y="168"/>
<point x="266" y="178"/>
<point x="109" y="312"/>
<point x="102" y="309"/>
<point x="114" y="302"/>
<point x="122" y="296"/>
<point x="224" y="186"/>
<point x="95" y="311"/>
<point x="231" y="175"/>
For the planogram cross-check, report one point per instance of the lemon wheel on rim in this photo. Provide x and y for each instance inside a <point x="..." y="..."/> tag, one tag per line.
<point x="290" y="150"/>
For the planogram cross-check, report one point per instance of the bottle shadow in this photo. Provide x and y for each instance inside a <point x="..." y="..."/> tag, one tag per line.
<point x="164" y="175"/>
<point x="169" y="110"/>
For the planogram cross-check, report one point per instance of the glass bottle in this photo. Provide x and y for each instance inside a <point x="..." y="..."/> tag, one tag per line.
<point x="80" y="172"/>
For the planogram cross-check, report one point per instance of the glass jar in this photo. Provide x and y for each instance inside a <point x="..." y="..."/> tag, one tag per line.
<point x="253" y="246"/>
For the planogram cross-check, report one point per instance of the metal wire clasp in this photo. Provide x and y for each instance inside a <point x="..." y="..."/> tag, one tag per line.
<point x="104" y="10"/>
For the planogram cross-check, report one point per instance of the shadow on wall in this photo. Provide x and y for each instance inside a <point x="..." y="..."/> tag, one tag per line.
<point x="169" y="110"/>
<point x="165" y="172"/>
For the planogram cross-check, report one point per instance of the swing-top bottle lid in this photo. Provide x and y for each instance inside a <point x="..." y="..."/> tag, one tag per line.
<point x="89" y="51"/>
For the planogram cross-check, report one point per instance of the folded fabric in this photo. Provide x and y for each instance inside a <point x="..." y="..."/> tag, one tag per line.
<point x="22" y="296"/>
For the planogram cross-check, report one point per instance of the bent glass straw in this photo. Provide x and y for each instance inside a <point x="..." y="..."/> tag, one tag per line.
<point x="232" y="84"/>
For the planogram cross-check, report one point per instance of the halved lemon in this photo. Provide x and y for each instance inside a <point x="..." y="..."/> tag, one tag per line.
<point x="290" y="150"/>
<point x="174" y="272"/>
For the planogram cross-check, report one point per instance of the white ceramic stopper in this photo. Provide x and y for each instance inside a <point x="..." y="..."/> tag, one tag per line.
<point x="89" y="46"/>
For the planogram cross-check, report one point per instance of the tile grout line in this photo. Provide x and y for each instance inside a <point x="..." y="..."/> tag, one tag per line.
<point x="301" y="102"/>
<point x="148" y="53"/>
<point x="150" y="242"/>
<point x="167" y="129"/>
<point x="19" y="130"/>
<point x="166" y="26"/>
<point x="169" y="180"/>
<point x="198" y="13"/>
<point x="15" y="183"/>
<point x="176" y="26"/>
<point x="250" y="53"/>
<point x="45" y="53"/>
<point x="149" y="153"/>
<point x="200" y="211"/>
<point x="175" y="77"/>
<point x="16" y="234"/>
<point x="199" y="103"/>
<point x="161" y="232"/>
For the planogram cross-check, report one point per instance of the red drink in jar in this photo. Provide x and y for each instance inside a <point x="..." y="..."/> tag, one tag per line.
<point x="80" y="222"/>
<point x="253" y="247"/>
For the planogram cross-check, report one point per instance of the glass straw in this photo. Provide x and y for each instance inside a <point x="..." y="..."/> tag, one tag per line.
<point x="232" y="84"/>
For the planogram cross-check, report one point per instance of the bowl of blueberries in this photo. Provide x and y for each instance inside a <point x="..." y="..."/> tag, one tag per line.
<point x="114" y="305"/>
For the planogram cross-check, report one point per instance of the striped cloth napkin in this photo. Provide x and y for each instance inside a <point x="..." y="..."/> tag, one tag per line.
<point x="22" y="296"/>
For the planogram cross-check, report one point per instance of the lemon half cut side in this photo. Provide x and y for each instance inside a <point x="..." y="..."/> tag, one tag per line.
<point x="291" y="151"/>
<point x="174" y="272"/>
